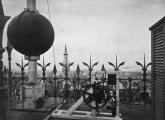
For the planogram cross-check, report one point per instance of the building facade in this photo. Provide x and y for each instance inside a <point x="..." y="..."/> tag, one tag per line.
<point x="158" y="68"/>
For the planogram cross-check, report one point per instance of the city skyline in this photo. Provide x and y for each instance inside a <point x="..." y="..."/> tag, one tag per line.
<point x="100" y="28"/>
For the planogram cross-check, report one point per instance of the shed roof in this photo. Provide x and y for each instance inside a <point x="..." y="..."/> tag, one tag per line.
<point x="157" y="23"/>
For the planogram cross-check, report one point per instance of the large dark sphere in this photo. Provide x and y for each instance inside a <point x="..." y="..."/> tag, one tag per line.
<point x="30" y="33"/>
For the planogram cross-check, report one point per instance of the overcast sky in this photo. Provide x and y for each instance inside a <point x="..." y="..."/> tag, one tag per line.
<point x="101" y="28"/>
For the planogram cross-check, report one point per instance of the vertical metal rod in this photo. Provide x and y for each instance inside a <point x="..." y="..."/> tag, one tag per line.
<point x="31" y="4"/>
<point x="54" y="81"/>
<point x="43" y="70"/>
<point x="116" y="61"/>
<point x="117" y="94"/>
<point x="144" y="79"/>
<point x="66" y="79"/>
<point x="22" y="87"/>
<point x="90" y="69"/>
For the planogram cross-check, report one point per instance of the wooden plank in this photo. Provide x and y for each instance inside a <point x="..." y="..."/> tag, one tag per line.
<point x="159" y="57"/>
<point x="159" y="45"/>
<point x="158" y="41"/>
<point x="158" y="52"/>
<point x="158" y="37"/>
<point x="77" y="104"/>
<point x="157" y="30"/>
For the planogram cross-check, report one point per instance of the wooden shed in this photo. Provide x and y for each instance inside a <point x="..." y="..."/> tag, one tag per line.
<point x="158" y="68"/>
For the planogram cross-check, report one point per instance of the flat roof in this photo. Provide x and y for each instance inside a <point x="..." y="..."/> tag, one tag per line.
<point x="157" y="23"/>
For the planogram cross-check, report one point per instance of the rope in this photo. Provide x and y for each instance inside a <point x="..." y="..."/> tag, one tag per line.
<point x="48" y="8"/>
<point x="49" y="19"/>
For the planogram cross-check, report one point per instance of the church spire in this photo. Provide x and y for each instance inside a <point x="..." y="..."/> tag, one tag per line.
<point x="65" y="59"/>
<point x="65" y="51"/>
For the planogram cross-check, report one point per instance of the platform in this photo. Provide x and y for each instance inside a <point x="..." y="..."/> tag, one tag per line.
<point x="50" y="104"/>
<point x="78" y="111"/>
<point x="79" y="115"/>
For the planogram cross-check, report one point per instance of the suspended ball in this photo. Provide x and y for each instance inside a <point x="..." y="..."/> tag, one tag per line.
<point x="30" y="33"/>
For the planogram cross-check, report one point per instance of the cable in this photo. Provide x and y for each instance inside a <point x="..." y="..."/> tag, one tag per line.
<point x="48" y="8"/>
<point x="49" y="19"/>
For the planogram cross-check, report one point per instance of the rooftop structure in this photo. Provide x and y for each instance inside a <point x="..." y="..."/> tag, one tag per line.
<point x="158" y="68"/>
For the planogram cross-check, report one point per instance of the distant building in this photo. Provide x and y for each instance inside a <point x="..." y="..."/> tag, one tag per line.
<point x="158" y="68"/>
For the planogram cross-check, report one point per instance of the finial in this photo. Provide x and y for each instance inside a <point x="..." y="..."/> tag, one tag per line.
<point x="65" y="48"/>
<point x="54" y="70"/>
<point x="43" y="62"/>
<point x="22" y="61"/>
<point x="90" y="60"/>
<point x="78" y="69"/>
<point x="65" y="51"/>
<point x="144" y="60"/>
<point x="116" y="60"/>
<point x="102" y="68"/>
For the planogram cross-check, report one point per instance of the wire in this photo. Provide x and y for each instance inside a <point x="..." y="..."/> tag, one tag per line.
<point x="49" y="19"/>
<point x="53" y="54"/>
<point x="48" y="8"/>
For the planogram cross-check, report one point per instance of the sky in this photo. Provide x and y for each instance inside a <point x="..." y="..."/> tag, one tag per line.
<point x="102" y="28"/>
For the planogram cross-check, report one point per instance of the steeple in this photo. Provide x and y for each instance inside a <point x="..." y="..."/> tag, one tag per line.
<point x="65" y="51"/>
<point x="65" y="60"/>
